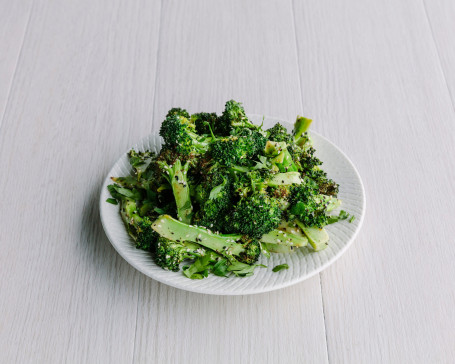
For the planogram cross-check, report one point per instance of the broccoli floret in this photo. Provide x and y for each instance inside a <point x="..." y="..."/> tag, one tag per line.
<point x="236" y="248"/>
<point x="179" y="134"/>
<point x="204" y="122"/>
<point x="255" y="216"/>
<point x="169" y="254"/>
<point x="256" y="140"/>
<point x="179" y="112"/>
<point x="326" y="185"/>
<point x="308" y="206"/>
<point x="231" y="150"/>
<point x="176" y="175"/>
<point x="214" y="206"/>
<point x="278" y="133"/>
<point x="139" y="228"/>
<point x="232" y="119"/>
<point x="140" y="161"/>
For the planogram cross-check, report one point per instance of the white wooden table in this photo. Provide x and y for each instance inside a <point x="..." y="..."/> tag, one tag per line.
<point x="80" y="81"/>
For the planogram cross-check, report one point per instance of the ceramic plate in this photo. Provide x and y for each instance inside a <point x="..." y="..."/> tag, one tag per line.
<point x="302" y="264"/>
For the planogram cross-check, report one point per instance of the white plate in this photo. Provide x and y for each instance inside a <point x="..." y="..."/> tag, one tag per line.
<point x="302" y="264"/>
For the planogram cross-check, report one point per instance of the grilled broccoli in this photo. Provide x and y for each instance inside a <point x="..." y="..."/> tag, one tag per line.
<point x="234" y="247"/>
<point x="176" y="174"/>
<point x="179" y="134"/>
<point x="254" y="216"/>
<point x="222" y="191"/>
<point x="205" y="122"/>
<point x="233" y="118"/>
<point x="169" y="254"/>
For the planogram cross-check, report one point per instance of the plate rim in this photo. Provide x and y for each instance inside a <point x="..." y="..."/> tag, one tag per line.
<point x="248" y="291"/>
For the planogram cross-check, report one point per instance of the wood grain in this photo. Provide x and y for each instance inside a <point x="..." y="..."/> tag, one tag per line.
<point x="371" y="79"/>
<point x="441" y="20"/>
<point x="14" y="16"/>
<point x="229" y="50"/>
<point x="82" y="93"/>
<point x="82" y="81"/>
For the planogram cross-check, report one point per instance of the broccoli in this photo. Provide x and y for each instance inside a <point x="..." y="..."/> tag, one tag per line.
<point x="169" y="254"/>
<point x="214" y="206"/>
<point x="140" y="161"/>
<point x="301" y="125"/>
<point x="254" y="216"/>
<point x="278" y="133"/>
<point x="231" y="150"/>
<point x="256" y="139"/>
<point x="244" y="190"/>
<point x="310" y="207"/>
<point x="179" y="134"/>
<point x="139" y="228"/>
<point x="233" y="118"/>
<point x="204" y="122"/>
<point x="234" y="247"/>
<point x="176" y="175"/>
<point x="179" y="112"/>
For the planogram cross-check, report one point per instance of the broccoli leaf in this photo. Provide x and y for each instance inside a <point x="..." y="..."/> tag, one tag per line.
<point x="280" y="267"/>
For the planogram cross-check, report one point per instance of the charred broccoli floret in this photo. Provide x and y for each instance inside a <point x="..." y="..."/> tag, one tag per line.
<point x="176" y="174"/>
<point x="169" y="254"/>
<point x="233" y="118"/>
<point x="179" y="112"/>
<point x="179" y="134"/>
<point x="255" y="215"/>
<point x="204" y="122"/>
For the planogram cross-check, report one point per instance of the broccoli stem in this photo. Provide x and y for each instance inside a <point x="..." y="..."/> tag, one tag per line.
<point x="173" y="229"/>
<point x="279" y="237"/>
<point x="301" y="125"/>
<point x="287" y="178"/>
<point x="177" y="177"/>
<point x="318" y="238"/>
<point x="128" y="212"/>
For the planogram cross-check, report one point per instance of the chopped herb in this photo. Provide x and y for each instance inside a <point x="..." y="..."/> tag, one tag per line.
<point x="112" y="201"/>
<point x="280" y="267"/>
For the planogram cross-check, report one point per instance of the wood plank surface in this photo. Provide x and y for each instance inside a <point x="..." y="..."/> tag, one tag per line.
<point x="83" y="91"/>
<point x="14" y="16"/>
<point x="441" y="18"/>
<point x="210" y="52"/>
<point x="371" y="79"/>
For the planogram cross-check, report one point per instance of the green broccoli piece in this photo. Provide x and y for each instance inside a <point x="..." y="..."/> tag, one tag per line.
<point x="278" y="133"/>
<point x="139" y="228"/>
<point x="231" y="150"/>
<point x="301" y="126"/>
<point x="233" y="247"/>
<point x="176" y="175"/>
<point x="179" y="112"/>
<point x="310" y="207"/>
<point x="214" y="207"/>
<point x="179" y="135"/>
<point x="254" y="216"/>
<point x="233" y="118"/>
<point x="169" y="254"/>
<point x="204" y="122"/>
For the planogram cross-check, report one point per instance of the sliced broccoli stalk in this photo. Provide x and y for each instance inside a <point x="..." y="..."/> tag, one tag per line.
<point x="330" y="202"/>
<point x="281" y="156"/>
<point x="173" y="229"/>
<point x="176" y="175"/>
<point x="318" y="238"/>
<point x="301" y="125"/>
<point x="139" y="228"/>
<point x="276" y="248"/>
<point x="280" y="237"/>
<point x="274" y="148"/>
<point x="287" y="178"/>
